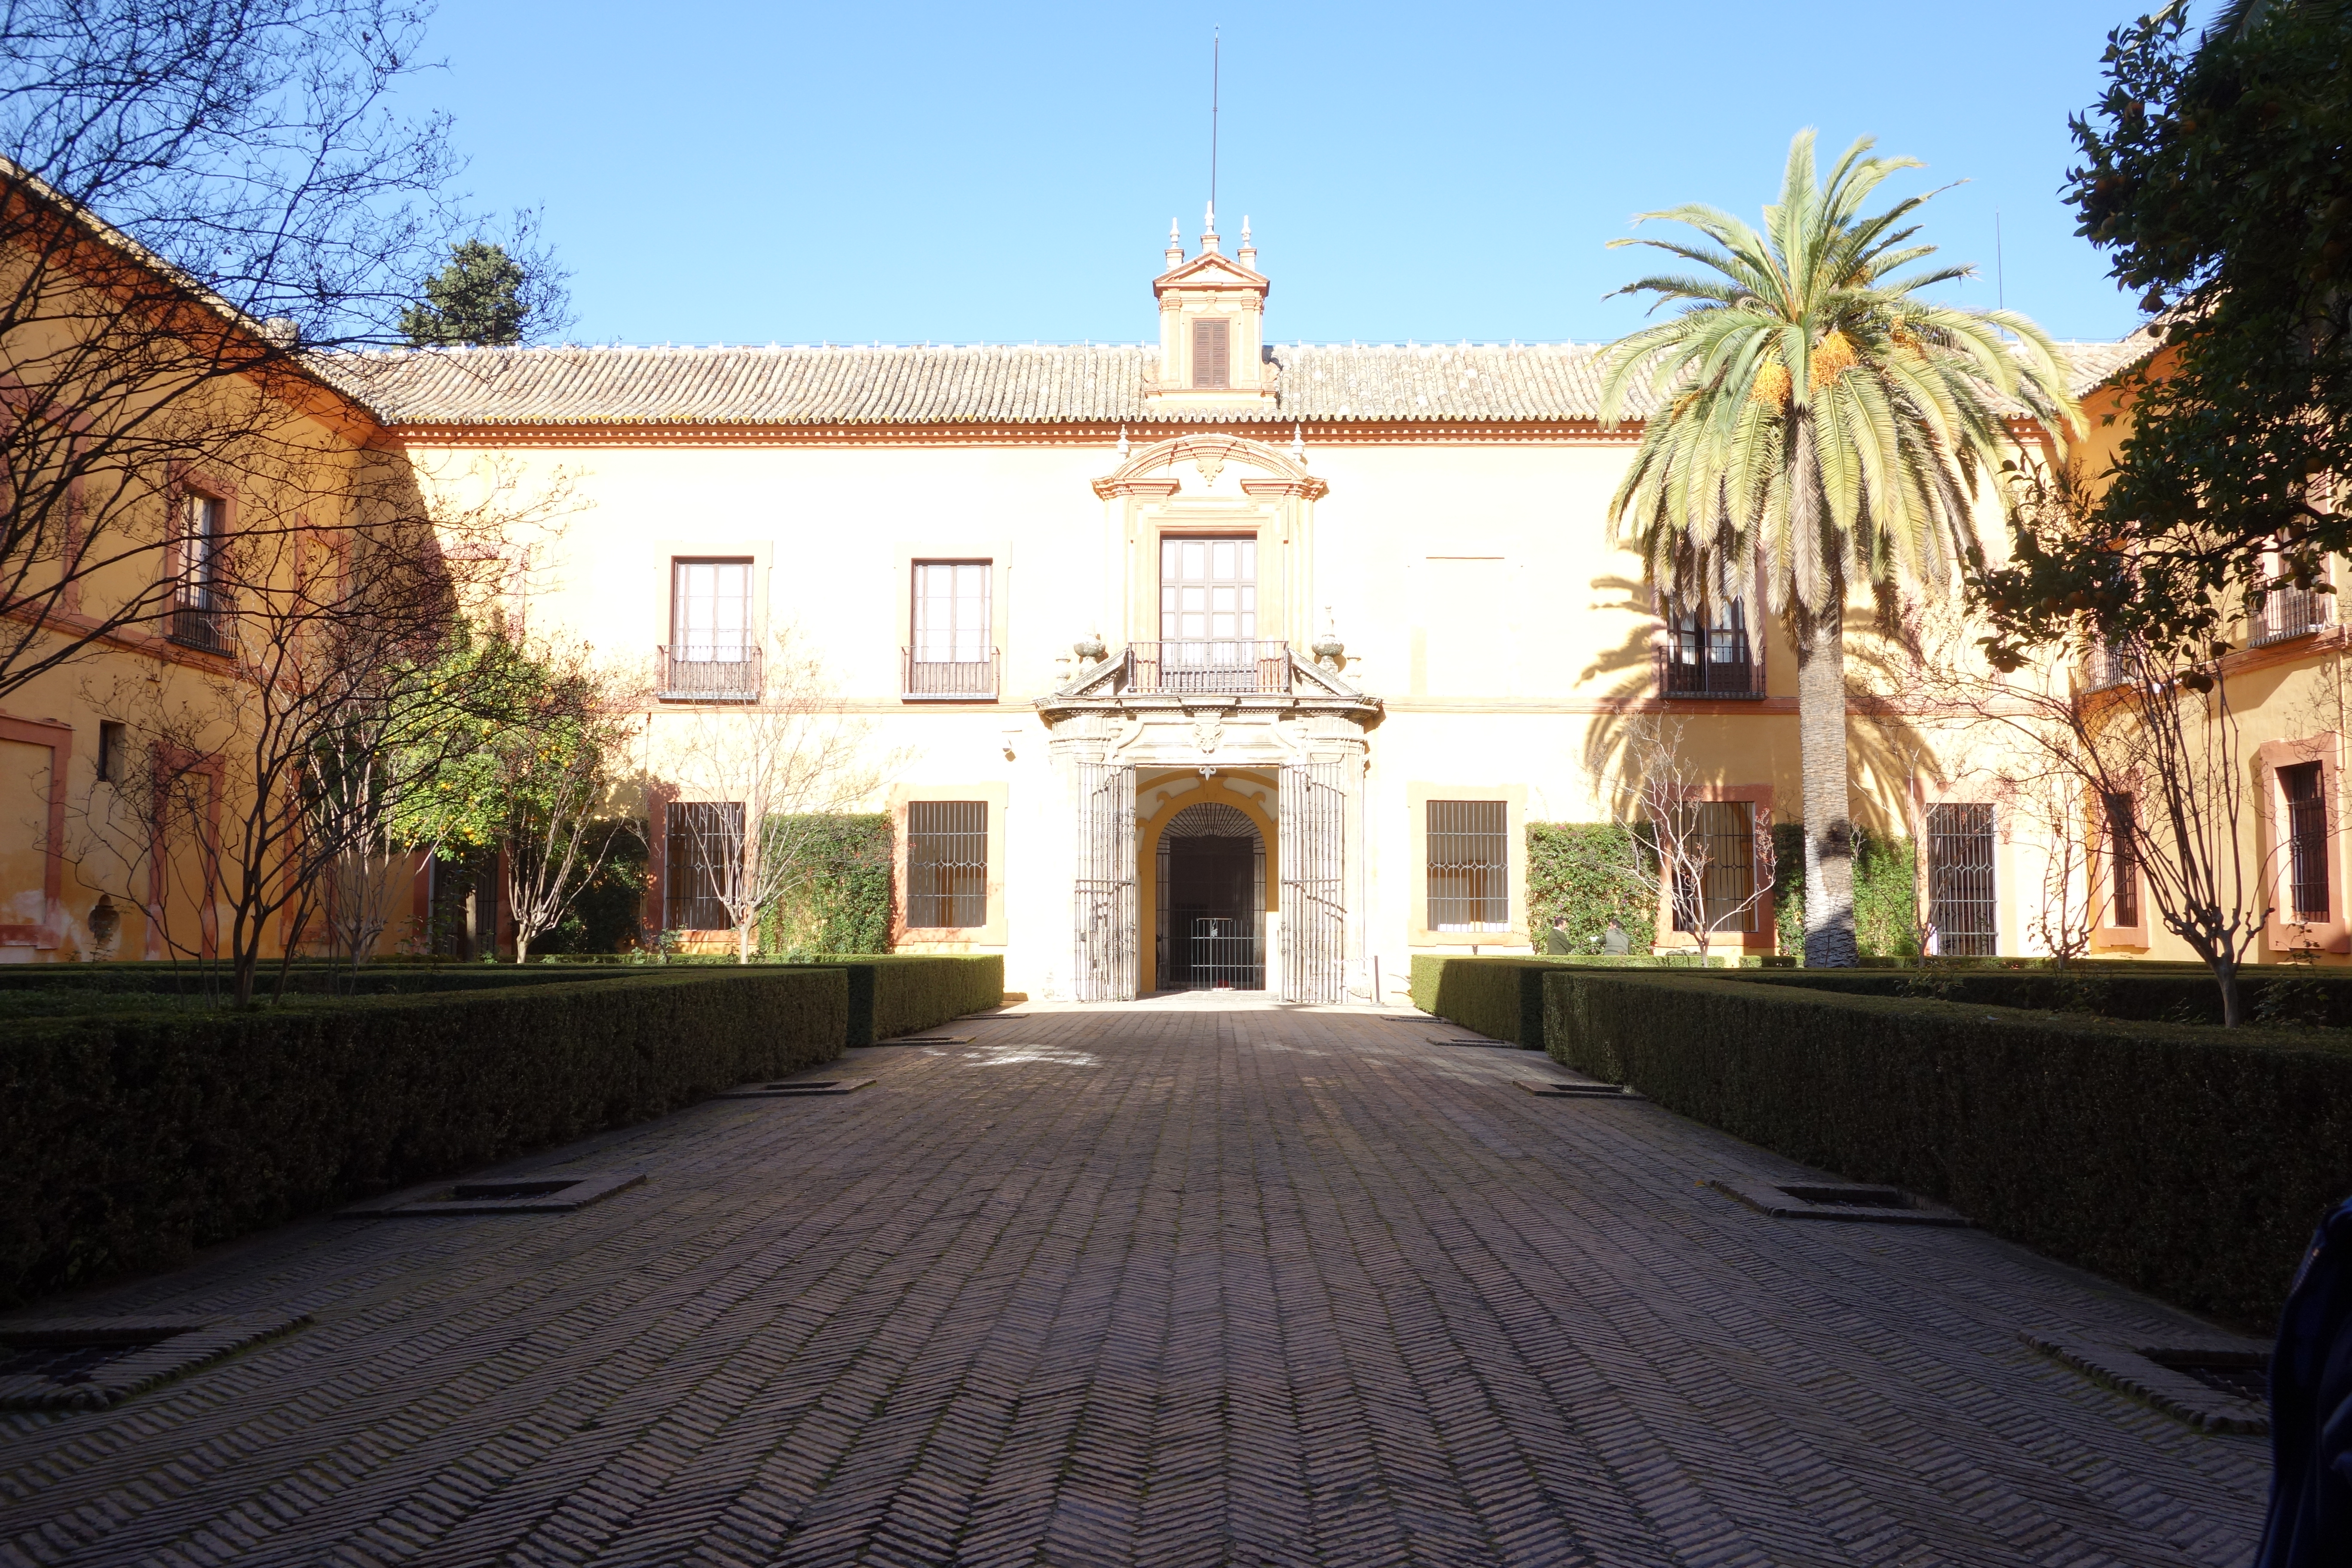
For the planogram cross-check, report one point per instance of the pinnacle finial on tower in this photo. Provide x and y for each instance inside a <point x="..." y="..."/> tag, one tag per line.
<point x="1209" y="229"/>
<point x="1247" y="254"/>
<point x="1175" y="247"/>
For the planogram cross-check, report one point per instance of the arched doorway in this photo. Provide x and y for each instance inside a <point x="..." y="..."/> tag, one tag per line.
<point x="1211" y="901"/>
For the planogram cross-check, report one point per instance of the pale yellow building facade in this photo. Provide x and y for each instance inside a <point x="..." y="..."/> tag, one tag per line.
<point x="1203" y="662"/>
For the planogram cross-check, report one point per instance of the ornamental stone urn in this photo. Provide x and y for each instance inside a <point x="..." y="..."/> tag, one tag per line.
<point x="1090" y="648"/>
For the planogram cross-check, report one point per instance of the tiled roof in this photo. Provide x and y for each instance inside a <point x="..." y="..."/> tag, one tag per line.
<point x="2094" y="363"/>
<point x="1317" y="383"/>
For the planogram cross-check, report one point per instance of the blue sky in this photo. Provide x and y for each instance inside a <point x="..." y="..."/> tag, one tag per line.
<point x="721" y="172"/>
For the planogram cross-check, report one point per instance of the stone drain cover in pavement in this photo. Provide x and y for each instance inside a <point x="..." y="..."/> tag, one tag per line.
<point x="799" y="1089"/>
<point x="928" y="1040"/>
<point x="1555" y="1089"/>
<point x="1498" y="1045"/>
<point x="547" y="1193"/>
<point x="1836" y="1200"/>
<point x="89" y="1363"/>
<point x="2215" y="1386"/>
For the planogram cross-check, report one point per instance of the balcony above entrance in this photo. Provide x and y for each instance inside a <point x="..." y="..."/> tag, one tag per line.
<point x="1250" y="675"/>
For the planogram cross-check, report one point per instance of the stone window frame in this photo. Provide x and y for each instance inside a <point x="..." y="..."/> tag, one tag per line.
<point x="2333" y="934"/>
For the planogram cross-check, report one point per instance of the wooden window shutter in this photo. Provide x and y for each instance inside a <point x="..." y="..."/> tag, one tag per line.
<point x="1211" y="365"/>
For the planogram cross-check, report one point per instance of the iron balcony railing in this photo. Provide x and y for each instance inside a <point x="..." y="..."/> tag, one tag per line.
<point x="205" y="629"/>
<point x="2282" y="610"/>
<point x="709" y="675"/>
<point x="1243" y="665"/>
<point x="1681" y="675"/>
<point x="948" y="679"/>
<point x="2107" y="664"/>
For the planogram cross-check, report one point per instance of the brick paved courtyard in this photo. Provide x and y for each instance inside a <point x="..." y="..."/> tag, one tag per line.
<point x="1210" y="1282"/>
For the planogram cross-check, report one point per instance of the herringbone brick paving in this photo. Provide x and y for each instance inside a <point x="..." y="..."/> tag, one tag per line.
<point x="1193" y="1281"/>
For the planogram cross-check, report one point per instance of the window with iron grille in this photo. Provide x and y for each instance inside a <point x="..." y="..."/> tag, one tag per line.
<point x="1469" y="866"/>
<point x="2122" y="861"/>
<point x="711" y="612"/>
<point x="1713" y="899"/>
<point x="705" y="852"/>
<point x="2306" y="838"/>
<point x="1960" y="900"/>
<point x="1211" y="364"/>
<point x="946" y="863"/>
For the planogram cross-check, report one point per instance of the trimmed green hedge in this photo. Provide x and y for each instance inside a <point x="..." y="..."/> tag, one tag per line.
<point x="2274" y="994"/>
<point x="128" y="1139"/>
<point x="898" y="993"/>
<point x="2188" y="1162"/>
<point x="310" y="978"/>
<point x="1503" y="998"/>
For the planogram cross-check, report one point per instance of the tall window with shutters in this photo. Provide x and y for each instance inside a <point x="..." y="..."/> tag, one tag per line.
<point x="2306" y="841"/>
<point x="947" y="864"/>
<point x="713" y="652"/>
<point x="199" y="599"/>
<point x="2122" y="861"/>
<point x="711" y="611"/>
<point x="951" y="652"/>
<point x="1212" y="355"/>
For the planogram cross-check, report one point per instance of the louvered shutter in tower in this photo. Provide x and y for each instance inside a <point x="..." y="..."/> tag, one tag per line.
<point x="1210" y="366"/>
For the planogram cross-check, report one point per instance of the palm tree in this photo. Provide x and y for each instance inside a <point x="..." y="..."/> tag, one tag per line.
<point x="1812" y="421"/>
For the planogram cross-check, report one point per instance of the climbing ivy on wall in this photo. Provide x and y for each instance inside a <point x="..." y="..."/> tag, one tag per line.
<point x="843" y="905"/>
<point x="1578" y="869"/>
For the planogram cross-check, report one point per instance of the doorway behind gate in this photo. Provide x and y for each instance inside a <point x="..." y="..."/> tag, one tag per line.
<point x="1212" y="903"/>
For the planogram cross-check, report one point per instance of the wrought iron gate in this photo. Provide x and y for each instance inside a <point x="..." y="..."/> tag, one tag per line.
<point x="1102" y="956"/>
<point x="1312" y="849"/>
<point x="1224" y="956"/>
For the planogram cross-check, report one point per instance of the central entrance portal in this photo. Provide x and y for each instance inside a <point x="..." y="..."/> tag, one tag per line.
<point x="1212" y="902"/>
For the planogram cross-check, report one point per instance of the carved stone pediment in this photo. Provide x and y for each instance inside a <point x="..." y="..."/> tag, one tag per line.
<point x="1146" y="470"/>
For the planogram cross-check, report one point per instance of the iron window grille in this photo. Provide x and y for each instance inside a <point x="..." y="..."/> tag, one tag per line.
<point x="1708" y="653"/>
<point x="947" y="864"/>
<point x="2306" y="838"/>
<point x="712" y="655"/>
<point x="1720" y="895"/>
<point x="705" y="856"/>
<point x="199" y="614"/>
<point x="1469" y="866"/>
<point x="2123" y="860"/>
<point x="1960" y="898"/>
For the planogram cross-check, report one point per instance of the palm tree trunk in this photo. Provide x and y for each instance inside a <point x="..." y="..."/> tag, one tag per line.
<point x="1821" y="754"/>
